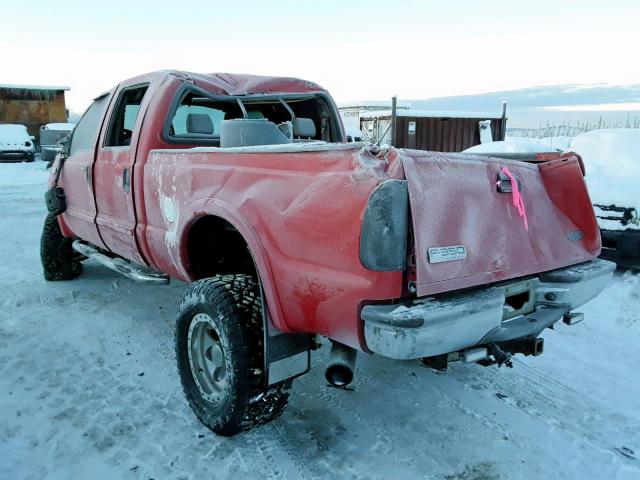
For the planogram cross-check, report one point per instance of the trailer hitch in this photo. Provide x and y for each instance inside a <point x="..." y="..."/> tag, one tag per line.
<point x="500" y="357"/>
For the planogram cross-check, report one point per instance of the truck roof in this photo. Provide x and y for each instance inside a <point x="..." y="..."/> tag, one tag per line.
<point x="244" y="84"/>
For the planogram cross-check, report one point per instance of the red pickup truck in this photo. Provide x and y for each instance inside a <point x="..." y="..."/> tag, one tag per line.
<point x="244" y="187"/>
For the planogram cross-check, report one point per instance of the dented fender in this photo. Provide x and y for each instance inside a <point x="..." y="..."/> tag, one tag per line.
<point x="300" y="213"/>
<point x="221" y="209"/>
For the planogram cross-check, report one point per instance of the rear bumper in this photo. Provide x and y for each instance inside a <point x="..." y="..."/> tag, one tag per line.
<point x="621" y="247"/>
<point x="434" y="326"/>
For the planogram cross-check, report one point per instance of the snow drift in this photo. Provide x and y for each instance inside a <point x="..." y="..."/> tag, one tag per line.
<point x="612" y="160"/>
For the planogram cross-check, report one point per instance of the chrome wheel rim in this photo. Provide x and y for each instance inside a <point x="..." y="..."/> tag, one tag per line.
<point x="206" y="358"/>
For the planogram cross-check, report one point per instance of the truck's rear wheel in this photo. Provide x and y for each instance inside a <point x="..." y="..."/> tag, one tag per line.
<point x="219" y="350"/>
<point x="59" y="261"/>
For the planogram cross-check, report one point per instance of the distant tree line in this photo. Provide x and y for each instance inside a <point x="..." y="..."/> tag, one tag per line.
<point x="567" y="129"/>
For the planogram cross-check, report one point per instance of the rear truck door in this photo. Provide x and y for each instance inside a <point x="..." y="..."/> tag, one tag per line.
<point x="76" y="175"/>
<point x="113" y="170"/>
<point x="469" y="232"/>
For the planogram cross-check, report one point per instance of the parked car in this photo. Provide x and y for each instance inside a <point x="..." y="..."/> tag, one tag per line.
<point x="245" y="187"/>
<point x="51" y="135"/>
<point x="16" y="145"/>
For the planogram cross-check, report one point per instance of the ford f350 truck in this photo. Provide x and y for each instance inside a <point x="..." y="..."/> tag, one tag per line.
<point x="245" y="187"/>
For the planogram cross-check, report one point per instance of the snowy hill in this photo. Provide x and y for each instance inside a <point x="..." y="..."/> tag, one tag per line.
<point x="614" y="105"/>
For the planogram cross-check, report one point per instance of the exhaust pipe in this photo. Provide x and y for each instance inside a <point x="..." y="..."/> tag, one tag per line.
<point x="342" y="362"/>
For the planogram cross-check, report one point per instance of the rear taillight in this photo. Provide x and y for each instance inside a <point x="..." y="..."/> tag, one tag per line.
<point x="385" y="227"/>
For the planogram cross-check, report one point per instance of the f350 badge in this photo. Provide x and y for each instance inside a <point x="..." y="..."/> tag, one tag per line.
<point x="446" y="254"/>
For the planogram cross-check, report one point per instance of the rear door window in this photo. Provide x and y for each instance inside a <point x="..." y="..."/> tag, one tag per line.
<point x="86" y="131"/>
<point x="124" y="115"/>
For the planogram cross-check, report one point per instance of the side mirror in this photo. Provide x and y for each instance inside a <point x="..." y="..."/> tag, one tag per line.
<point x="66" y="146"/>
<point x="33" y="139"/>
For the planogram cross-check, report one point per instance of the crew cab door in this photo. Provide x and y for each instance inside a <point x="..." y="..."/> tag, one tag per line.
<point x="76" y="175"/>
<point x="113" y="169"/>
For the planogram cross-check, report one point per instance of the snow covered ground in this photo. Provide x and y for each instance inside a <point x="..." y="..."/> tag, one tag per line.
<point x="88" y="389"/>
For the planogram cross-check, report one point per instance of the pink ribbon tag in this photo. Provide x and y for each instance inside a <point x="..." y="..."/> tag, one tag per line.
<point x="516" y="197"/>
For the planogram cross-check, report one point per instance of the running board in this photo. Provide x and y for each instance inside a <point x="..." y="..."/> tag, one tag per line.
<point x="121" y="266"/>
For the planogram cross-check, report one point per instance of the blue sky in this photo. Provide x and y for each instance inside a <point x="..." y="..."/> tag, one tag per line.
<point x="358" y="50"/>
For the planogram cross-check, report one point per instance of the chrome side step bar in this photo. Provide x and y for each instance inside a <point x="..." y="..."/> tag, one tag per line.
<point x="121" y="266"/>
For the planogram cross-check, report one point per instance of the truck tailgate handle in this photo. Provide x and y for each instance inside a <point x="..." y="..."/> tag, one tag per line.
<point x="504" y="183"/>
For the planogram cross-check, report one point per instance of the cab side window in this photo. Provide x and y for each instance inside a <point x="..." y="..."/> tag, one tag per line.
<point x="86" y="130"/>
<point x="124" y="115"/>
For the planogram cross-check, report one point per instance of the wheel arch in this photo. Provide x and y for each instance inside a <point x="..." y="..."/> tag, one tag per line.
<point x="213" y="210"/>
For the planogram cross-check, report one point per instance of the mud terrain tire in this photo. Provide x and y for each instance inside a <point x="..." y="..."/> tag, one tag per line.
<point x="225" y="313"/>
<point x="59" y="261"/>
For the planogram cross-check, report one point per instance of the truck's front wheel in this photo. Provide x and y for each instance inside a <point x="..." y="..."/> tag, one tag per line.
<point x="219" y="350"/>
<point x="59" y="261"/>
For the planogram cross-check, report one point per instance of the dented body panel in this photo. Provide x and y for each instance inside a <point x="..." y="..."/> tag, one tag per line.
<point x="296" y="211"/>
<point x="455" y="203"/>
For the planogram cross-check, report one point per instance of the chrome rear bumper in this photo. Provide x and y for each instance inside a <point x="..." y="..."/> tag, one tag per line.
<point x="433" y="326"/>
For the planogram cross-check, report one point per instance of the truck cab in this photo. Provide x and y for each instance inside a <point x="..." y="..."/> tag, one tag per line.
<point x="104" y="174"/>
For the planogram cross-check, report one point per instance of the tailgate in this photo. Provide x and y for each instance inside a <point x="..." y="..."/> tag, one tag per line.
<point x="467" y="233"/>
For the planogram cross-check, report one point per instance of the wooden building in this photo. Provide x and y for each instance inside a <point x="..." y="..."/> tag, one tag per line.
<point x="351" y="112"/>
<point x="434" y="131"/>
<point x="32" y="106"/>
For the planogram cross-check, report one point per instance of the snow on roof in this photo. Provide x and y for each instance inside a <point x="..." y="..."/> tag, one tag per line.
<point x="13" y="133"/>
<point x="430" y="114"/>
<point x="364" y="104"/>
<point x="32" y="87"/>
